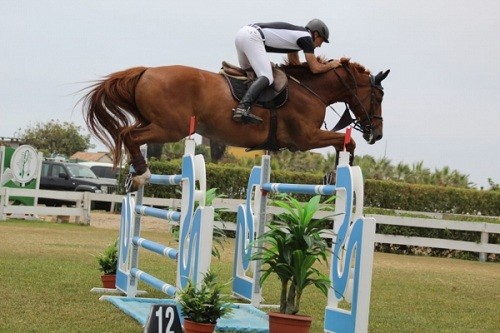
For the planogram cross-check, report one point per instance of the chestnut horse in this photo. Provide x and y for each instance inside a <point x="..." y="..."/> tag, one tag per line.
<point x="155" y="105"/>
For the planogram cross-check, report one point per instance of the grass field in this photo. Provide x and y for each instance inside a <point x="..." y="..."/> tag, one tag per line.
<point x="48" y="269"/>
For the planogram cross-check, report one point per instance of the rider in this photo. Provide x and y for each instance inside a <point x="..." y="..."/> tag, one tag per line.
<point x="255" y="40"/>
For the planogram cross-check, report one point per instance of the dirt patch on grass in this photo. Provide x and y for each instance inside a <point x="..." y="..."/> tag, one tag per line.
<point x="106" y="220"/>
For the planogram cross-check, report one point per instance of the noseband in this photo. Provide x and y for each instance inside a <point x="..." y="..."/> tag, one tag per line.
<point x="346" y="119"/>
<point x="370" y="115"/>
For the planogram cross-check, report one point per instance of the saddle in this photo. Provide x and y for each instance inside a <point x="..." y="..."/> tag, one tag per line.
<point x="239" y="80"/>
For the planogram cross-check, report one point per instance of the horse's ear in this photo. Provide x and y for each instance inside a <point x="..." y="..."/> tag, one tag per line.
<point x="381" y="76"/>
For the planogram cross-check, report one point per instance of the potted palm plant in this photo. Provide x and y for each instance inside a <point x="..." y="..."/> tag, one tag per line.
<point x="289" y="249"/>
<point x="203" y="305"/>
<point x="108" y="261"/>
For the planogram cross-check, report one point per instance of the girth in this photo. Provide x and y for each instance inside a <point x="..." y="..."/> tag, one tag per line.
<point x="272" y="98"/>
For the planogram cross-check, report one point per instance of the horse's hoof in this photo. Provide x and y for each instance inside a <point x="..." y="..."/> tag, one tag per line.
<point x="130" y="183"/>
<point x="329" y="178"/>
<point x="142" y="179"/>
<point x="134" y="182"/>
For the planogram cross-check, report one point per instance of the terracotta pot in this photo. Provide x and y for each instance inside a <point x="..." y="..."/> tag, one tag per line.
<point x="109" y="281"/>
<point x="287" y="323"/>
<point x="192" y="327"/>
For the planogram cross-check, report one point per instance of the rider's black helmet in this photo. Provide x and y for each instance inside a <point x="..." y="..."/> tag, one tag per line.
<point x="320" y="27"/>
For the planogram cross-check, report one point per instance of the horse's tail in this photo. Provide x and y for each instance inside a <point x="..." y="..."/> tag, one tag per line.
<point x="109" y="105"/>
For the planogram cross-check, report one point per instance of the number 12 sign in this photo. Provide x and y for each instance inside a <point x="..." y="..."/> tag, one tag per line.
<point x="163" y="318"/>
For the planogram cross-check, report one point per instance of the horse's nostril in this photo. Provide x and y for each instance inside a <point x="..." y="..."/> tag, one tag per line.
<point x="378" y="137"/>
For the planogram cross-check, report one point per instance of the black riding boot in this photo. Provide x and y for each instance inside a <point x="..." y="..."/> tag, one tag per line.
<point x="242" y="112"/>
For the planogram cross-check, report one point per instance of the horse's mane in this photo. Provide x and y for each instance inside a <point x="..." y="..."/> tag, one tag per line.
<point x="345" y="61"/>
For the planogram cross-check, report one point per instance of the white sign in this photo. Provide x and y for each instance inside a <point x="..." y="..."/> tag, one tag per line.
<point x="24" y="164"/>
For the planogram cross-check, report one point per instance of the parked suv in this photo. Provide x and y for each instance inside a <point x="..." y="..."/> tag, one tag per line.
<point x="63" y="176"/>
<point x="103" y="170"/>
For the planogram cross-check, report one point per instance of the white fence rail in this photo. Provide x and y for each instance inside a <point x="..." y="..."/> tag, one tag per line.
<point x="81" y="213"/>
<point x="483" y="247"/>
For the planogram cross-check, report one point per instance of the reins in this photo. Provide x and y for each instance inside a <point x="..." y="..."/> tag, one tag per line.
<point x="321" y="100"/>
<point x="369" y="115"/>
<point x="346" y="119"/>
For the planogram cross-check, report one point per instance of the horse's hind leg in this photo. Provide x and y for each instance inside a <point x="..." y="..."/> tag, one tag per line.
<point x="141" y="173"/>
<point x="133" y="141"/>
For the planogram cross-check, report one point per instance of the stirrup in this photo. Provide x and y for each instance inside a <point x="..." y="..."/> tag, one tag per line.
<point x="244" y="116"/>
<point x="251" y="119"/>
<point x="238" y="114"/>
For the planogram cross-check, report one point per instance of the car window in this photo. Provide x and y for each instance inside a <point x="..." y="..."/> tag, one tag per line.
<point x="45" y="170"/>
<point x="81" y="171"/>
<point x="56" y="170"/>
<point x="104" y="171"/>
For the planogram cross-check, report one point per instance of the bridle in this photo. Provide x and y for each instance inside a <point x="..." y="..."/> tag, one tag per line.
<point x="365" y="125"/>
<point x="346" y="118"/>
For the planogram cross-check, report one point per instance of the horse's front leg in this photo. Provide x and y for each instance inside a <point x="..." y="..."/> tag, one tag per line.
<point x="319" y="138"/>
<point x="329" y="177"/>
<point x="337" y="140"/>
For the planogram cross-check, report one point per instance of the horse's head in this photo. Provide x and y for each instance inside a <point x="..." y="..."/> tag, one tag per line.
<point x="364" y="97"/>
<point x="353" y="84"/>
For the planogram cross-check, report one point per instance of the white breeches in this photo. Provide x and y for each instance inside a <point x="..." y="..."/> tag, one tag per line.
<point x="252" y="53"/>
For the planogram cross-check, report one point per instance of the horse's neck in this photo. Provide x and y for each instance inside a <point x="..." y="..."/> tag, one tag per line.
<point x="300" y="73"/>
<point x="327" y="86"/>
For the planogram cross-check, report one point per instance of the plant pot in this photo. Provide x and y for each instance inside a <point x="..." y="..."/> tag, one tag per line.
<point x="193" y="327"/>
<point x="287" y="323"/>
<point x="109" y="281"/>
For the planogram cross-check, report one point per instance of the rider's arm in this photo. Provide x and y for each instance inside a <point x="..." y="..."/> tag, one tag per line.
<point x="317" y="67"/>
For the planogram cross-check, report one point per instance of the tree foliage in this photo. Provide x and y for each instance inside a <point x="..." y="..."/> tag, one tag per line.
<point x="417" y="173"/>
<point x="55" y="138"/>
<point x="493" y="186"/>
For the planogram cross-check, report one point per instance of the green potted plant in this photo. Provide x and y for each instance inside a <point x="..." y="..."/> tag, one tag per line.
<point x="289" y="249"/>
<point x="108" y="262"/>
<point x="202" y="305"/>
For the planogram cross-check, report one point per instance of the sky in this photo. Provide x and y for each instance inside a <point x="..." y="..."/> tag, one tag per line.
<point x="441" y="103"/>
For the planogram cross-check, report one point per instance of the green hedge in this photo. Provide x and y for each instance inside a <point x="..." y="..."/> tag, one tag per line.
<point x="232" y="182"/>
<point x="427" y="198"/>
